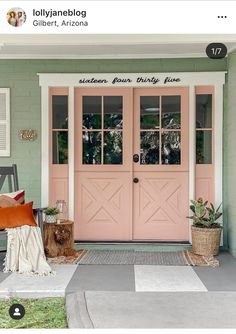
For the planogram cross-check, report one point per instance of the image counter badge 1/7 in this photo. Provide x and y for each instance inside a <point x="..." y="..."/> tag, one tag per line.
<point x="17" y="311"/>
<point x="216" y="50"/>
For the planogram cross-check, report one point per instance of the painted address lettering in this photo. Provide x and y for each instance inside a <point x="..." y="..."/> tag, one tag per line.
<point x="152" y="80"/>
<point x="127" y="81"/>
<point x="171" y="80"/>
<point x="118" y="80"/>
<point x="92" y="80"/>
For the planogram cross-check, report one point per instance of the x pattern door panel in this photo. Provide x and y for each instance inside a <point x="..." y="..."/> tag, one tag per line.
<point x="104" y="202"/>
<point x="160" y="212"/>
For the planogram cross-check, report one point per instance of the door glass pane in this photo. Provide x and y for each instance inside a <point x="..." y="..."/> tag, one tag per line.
<point x="203" y="111"/>
<point x="92" y="106"/>
<point x="91" y="147"/>
<point x="171" y="112"/>
<point x="149" y="112"/>
<point x="113" y="147"/>
<point x="60" y="147"/>
<point x="113" y="106"/>
<point x="59" y="112"/>
<point x="149" y="147"/>
<point x="170" y="151"/>
<point x="204" y="147"/>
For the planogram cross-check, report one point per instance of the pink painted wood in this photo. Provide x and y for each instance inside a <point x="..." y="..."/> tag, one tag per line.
<point x="103" y="205"/>
<point x="103" y="193"/>
<point x="161" y="197"/>
<point x="161" y="206"/>
<point x="205" y="172"/>
<point x="58" y="174"/>
<point x="108" y="205"/>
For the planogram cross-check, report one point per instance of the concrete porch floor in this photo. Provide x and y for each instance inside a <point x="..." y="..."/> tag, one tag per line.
<point x="119" y="282"/>
<point x="73" y="278"/>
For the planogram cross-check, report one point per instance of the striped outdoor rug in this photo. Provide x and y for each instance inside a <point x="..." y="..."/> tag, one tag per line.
<point x="178" y="258"/>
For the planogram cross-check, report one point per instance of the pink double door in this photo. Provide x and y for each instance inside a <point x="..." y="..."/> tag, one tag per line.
<point x="131" y="164"/>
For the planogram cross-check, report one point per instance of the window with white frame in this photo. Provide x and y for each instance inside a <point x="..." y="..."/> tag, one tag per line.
<point x="4" y="122"/>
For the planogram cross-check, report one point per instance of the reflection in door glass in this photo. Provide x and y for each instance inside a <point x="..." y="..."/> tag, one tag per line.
<point x="91" y="147"/>
<point x="171" y="112"/>
<point x="203" y="111"/>
<point x="171" y="146"/>
<point x="59" y="111"/>
<point x="113" y="107"/>
<point x="203" y="147"/>
<point x="149" y="112"/>
<point x="92" y="106"/>
<point x="112" y="147"/>
<point x="149" y="148"/>
<point x="60" y="147"/>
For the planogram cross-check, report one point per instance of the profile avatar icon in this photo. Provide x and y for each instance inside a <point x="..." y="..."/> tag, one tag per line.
<point x="17" y="311"/>
<point x="16" y="17"/>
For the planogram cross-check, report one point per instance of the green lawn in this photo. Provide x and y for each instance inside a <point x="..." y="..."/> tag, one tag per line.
<point x="39" y="313"/>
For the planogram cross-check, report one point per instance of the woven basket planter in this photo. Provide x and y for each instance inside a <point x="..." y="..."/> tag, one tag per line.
<point x="205" y="241"/>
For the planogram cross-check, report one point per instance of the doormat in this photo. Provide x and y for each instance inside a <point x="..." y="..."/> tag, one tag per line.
<point x="201" y="261"/>
<point x="178" y="258"/>
<point x="70" y="259"/>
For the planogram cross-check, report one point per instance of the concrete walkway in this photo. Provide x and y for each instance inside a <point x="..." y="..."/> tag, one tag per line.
<point x="112" y="309"/>
<point x="23" y="286"/>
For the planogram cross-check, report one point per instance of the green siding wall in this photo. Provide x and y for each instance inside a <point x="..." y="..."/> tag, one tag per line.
<point x="21" y="77"/>
<point x="230" y="154"/>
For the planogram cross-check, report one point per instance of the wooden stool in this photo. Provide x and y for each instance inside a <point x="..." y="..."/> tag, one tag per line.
<point x="59" y="239"/>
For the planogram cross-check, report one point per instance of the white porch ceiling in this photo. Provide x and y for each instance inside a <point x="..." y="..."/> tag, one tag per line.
<point x="108" y="46"/>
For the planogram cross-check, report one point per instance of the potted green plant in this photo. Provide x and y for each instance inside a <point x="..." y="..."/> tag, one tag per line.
<point x="206" y="231"/>
<point x="51" y="215"/>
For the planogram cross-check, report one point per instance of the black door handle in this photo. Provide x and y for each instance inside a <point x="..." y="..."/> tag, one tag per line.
<point x="135" y="158"/>
<point x="135" y="180"/>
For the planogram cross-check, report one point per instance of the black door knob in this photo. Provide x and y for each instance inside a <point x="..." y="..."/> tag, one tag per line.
<point x="135" y="180"/>
<point x="135" y="158"/>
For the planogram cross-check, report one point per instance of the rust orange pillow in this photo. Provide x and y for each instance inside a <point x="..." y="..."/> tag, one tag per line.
<point x="16" y="216"/>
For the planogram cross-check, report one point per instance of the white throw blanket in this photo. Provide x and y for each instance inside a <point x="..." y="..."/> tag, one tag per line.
<point x="25" y="253"/>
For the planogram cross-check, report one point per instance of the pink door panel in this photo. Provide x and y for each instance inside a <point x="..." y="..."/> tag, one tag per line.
<point x="160" y="206"/>
<point x="161" y="197"/>
<point x="205" y="182"/>
<point x="103" y="188"/>
<point x="58" y="165"/>
<point x="103" y="205"/>
<point x="60" y="190"/>
<point x="204" y="162"/>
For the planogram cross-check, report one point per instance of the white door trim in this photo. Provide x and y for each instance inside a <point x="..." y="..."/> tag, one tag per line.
<point x="44" y="146"/>
<point x="187" y="79"/>
<point x="6" y="121"/>
<point x="71" y="141"/>
<point x="131" y="79"/>
<point x="218" y="145"/>
<point x="192" y="146"/>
